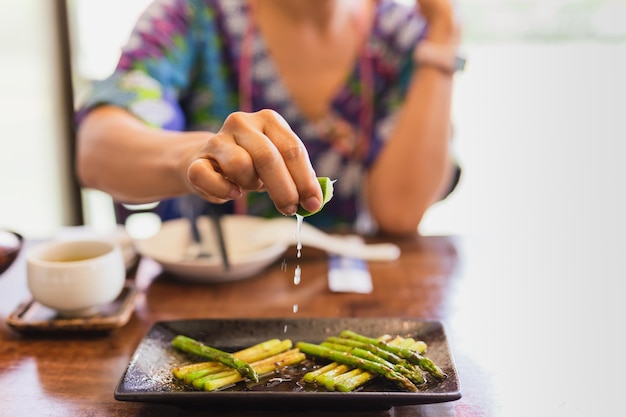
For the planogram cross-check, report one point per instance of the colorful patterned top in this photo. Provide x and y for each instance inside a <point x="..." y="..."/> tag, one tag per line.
<point x="181" y="70"/>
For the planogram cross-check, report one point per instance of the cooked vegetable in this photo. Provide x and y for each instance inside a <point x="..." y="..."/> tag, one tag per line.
<point x="335" y="384"/>
<point x="353" y="382"/>
<point x="327" y="379"/>
<point x="190" y="373"/>
<point x="410" y="355"/>
<point x="348" y="381"/>
<point x="347" y="358"/>
<point x="400" y="364"/>
<point x="262" y="367"/>
<point x="189" y="345"/>
<point x="405" y="369"/>
<point x="312" y="375"/>
<point x="356" y="359"/>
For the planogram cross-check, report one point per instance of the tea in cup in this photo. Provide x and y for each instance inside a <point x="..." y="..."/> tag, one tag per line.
<point x="75" y="277"/>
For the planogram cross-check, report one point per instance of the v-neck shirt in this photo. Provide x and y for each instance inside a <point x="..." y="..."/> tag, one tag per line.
<point x="180" y="70"/>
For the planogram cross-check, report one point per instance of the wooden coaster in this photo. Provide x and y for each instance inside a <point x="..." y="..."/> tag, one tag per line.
<point x="32" y="317"/>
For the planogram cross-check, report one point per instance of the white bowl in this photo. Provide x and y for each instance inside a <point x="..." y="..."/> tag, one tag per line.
<point x="75" y="277"/>
<point x="118" y="235"/>
<point x="247" y="257"/>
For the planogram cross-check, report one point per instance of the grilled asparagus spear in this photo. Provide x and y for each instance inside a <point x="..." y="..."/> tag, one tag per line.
<point x="197" y="348"/>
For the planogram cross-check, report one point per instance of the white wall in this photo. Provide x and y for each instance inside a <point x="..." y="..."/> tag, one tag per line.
<point x="541" y="135"/>
<point x="33" y="164"/>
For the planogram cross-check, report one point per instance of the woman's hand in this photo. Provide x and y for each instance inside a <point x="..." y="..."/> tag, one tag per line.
<point x="256" y="151"/>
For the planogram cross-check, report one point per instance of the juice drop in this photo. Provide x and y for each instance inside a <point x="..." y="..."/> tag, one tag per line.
<point x="296" y="275"/>
<point x="299" y="220"/>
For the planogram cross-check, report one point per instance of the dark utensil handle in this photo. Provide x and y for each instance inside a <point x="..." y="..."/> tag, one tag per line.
<point x="191" y="207"/>
<point x="216" y="216"/>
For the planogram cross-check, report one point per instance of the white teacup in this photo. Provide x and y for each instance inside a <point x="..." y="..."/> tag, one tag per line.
<point x="75" y="277"/>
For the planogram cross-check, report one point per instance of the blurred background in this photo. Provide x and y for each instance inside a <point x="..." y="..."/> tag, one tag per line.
<point x="538" y="114"/>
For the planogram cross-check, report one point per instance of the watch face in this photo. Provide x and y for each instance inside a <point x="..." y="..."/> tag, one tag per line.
<point x="459" y="63"/>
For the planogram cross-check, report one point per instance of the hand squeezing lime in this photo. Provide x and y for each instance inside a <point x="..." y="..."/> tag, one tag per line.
<point x="327" y="193"/>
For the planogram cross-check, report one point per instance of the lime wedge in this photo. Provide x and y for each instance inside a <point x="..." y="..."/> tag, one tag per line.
<point x="327" y="193"/>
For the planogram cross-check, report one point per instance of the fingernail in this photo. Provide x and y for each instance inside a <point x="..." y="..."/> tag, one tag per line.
<point x="290" y="210"/>
<point x="311" y="204"/>
<point x="234" y="193"/>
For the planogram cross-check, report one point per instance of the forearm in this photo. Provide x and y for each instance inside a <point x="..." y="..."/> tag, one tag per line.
<point x="134" y="163"/>
<point x="415" y="167"/>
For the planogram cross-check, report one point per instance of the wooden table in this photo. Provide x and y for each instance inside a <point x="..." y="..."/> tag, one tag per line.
<point x="493" y="299"/>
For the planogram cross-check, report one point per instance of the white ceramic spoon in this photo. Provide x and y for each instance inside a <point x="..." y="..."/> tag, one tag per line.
<point x="284" y="229"/>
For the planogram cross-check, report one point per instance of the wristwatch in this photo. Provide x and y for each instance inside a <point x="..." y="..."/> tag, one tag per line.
<point x="440" y="57"/>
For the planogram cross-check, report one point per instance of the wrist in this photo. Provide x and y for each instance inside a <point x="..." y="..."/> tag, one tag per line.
<point x="189" y="148"/>
<point x="443" y="57"/>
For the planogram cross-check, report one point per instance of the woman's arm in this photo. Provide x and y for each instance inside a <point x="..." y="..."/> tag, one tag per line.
<point x="415" y="167"/>
<point x="120" y="155"/>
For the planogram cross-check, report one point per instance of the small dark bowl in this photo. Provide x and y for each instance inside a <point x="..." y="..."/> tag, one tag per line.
<point x="10" y="246"/>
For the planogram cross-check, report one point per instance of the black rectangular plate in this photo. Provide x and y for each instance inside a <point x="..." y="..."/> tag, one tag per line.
<point x="148" y="377"/>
